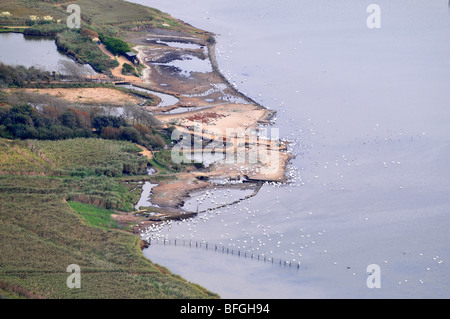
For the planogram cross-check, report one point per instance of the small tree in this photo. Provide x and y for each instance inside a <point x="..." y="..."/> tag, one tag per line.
<point x="116" y="46"/>
<point x="88" y="33"/>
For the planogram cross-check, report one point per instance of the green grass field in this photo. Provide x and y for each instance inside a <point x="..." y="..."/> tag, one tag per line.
<point x="94" y="216"/>
<point x="44" y="228"/>
<point x="44" y="235"/>
<point x="76" y="157"/>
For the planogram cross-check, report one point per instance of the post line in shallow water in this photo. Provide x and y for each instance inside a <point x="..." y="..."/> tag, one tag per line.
<point x="225" y="250"/>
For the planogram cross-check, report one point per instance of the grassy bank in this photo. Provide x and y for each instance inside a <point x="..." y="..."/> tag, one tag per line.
<point x="45" y="232"/>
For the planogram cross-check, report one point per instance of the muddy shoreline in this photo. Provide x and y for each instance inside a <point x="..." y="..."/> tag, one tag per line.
<point x="210" y="97"/>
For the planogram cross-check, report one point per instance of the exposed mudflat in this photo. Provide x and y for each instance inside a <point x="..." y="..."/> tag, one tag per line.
<point x="184" y="65"/>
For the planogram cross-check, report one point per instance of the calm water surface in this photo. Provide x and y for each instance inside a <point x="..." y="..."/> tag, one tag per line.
<point x="17" y="49"/>
<point x="367" y="111"/>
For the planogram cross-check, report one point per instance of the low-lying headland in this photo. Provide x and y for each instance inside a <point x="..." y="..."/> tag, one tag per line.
<point x="208" y="109"/>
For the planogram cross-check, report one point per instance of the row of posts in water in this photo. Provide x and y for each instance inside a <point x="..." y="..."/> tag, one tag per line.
<point x="224" y="250"/>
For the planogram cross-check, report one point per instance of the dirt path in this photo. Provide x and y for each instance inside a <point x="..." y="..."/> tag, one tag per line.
<point x="117" y="72"/>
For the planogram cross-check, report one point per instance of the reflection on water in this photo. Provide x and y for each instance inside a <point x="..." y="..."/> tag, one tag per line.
<point x="144" y="200"/>
<point x="210" y="199"/>
<point x="17" y="49"/>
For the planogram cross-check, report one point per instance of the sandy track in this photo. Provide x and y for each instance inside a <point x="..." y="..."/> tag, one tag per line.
<point x="103" y="96"/>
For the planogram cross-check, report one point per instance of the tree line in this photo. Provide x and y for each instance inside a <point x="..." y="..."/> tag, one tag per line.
<point x="54" y="123"/>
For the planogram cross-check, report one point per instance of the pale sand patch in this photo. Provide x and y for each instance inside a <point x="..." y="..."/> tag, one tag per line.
<point x="89" y="95"/>
<point x="230" y="116"/>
